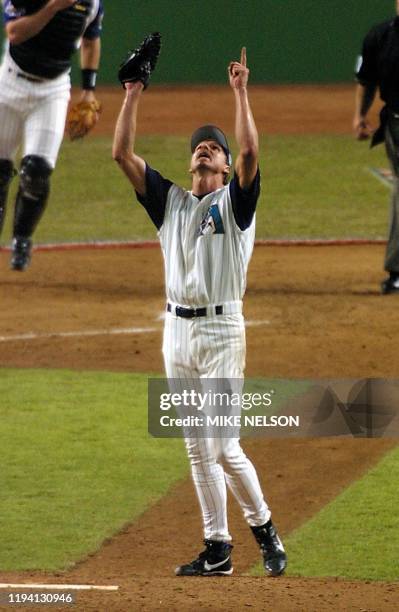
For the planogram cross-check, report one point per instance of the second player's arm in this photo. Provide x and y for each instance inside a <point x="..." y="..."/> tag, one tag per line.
<point x="21" y="29"/>
<point x="124" y="139"/>
<point x="246" y="133"/>
<point x="90" y="53"/>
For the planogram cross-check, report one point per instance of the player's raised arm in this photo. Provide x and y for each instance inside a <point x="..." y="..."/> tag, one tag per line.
<point x="245" y="129"/>
<point x="124" y="138"/>
<point x="134" y="74"/>
<point x="24" y="27"/>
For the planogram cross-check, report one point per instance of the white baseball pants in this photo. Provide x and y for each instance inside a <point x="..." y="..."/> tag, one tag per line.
<point x="32" y="113"/>
<point x="214" y="347"/>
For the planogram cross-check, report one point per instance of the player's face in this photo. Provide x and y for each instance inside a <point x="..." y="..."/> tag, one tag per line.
<point x="209" y="154"/>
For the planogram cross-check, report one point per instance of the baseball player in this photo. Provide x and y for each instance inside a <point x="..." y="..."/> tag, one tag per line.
<point x="34" y="93"/>
<point x="377" y="69"/>
<point x="207" y="237"/>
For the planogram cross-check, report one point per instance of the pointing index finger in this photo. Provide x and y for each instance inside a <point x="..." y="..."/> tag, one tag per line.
<point x="244" y="56"/>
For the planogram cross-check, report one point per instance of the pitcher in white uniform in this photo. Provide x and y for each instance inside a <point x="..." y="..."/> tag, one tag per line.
<point x="207" y="237"/>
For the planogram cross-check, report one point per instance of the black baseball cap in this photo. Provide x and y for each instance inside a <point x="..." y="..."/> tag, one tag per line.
<point x="211" y="132"/>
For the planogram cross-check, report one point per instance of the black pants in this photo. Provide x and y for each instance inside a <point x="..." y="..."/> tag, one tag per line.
<point x="391" y="263"/>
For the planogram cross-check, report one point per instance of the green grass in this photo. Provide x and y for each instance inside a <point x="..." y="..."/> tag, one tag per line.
<point x="77" y="463"/>
<point x="312" y="186"/>
<point x="355" y="536"/>
<point x="319" y="186"/>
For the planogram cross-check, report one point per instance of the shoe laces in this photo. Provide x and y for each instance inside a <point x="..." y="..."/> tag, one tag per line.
<point x="269" y="542"/>
<point x="215" y="551"/>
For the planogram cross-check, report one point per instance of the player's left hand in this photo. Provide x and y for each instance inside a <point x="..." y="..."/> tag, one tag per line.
<point x="83" y="116"/>
<point x="238" y="72"/>
<point x="89" y="97"/>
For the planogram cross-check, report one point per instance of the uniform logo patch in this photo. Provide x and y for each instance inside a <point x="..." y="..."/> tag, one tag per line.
<point x="10" y="10"/>
<point x="80" y="7"/>
<point x="212" y="222"/>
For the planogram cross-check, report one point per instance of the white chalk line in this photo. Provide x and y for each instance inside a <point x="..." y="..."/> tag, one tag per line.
<point x="382" y="175"/>
<point x="78" y="334"/>
<point x="59" y="587"/>
<point x="145" y="244"/>
<point x="251" y="323"/>
<point x="100" y="332"/>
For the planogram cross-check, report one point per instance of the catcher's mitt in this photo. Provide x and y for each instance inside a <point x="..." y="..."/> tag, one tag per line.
<point x="141" y="62"/>
<point x="82" y="117"/>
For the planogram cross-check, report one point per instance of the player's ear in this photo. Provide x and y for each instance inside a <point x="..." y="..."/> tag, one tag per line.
<point x="226" y="174"/>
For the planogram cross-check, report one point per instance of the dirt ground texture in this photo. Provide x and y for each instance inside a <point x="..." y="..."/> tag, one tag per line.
<point x="312" y="312"/>
<point x="278" y="109"/>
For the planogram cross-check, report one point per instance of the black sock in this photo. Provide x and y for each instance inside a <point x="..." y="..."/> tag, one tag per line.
<point x="28" y="213"/>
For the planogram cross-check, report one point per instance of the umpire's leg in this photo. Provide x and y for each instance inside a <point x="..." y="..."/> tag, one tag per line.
<point x="392" y="148"/>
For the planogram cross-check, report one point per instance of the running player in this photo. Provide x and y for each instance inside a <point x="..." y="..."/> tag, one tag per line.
<point x="207" y="237"/>
<point x="34" y="93"/>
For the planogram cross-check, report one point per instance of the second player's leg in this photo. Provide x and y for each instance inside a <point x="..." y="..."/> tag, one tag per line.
<point x="223" y="357"/>
<point x="207" y="474"/>
<point x="10" y="136"/>
<point x="43" y="134"/>
<point x="242" y="480"/>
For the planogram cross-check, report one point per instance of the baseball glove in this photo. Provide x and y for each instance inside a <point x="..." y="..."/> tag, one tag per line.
<point x="82" y="117"/>
<point x="141" y="62"/>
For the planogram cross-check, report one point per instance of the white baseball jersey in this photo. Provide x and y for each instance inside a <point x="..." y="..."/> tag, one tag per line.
<point x="206" y="253"/>
<point x="207" y="242"/>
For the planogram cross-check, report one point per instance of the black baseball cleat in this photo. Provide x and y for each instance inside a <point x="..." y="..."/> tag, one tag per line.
<point x="21" y="253"/>
<point x="272" y="549"/>
<point x="215" y="560"/>
<point x="390" y="284"/>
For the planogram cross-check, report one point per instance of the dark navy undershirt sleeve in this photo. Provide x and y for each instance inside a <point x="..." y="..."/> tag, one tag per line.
<point x="244" y="200"/>
<point x="95" y="28"/>
<point x="154" y="201"/>
<point x="367" y="68"/>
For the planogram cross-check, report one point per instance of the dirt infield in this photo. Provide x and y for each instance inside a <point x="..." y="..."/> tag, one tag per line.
<point x="283" y="109"/>
<point x="312" y="312"/>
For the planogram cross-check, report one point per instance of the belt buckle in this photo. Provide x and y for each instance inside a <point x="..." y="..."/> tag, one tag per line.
<point x="185" y="313"/>
<point x="191" y="313"/>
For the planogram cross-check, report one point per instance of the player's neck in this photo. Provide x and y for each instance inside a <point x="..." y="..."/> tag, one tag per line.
<point x="206" y="183"/>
